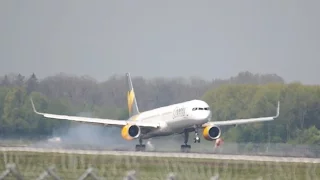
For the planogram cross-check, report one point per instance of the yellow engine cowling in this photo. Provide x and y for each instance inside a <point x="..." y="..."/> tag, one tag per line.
<point x="211" y="133"/>
<point x="130" y="132"/>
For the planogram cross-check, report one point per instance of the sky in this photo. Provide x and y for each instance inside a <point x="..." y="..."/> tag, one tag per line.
<point x="181" y="38"/>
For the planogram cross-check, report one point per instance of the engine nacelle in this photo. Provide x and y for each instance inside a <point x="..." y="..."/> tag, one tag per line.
<point x="130" y="132"/>
<point x="211" y="133"/>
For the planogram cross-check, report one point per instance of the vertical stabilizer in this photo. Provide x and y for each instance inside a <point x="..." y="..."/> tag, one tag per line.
<point x="131" y="98"/>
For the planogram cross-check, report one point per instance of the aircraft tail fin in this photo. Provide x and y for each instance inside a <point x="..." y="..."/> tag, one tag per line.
<point x="131" y="98"/>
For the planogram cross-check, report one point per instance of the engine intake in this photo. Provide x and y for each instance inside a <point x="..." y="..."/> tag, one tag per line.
<point x="130" y="132"/>
<point x="211" y="133"/>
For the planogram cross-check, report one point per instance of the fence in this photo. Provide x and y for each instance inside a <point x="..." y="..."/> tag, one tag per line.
<point x="37" y="165"/>
<point x="79" y="167"/>
<point x="50" y="172"/>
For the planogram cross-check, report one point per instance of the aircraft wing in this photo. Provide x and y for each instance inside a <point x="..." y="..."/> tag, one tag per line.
<point x="111" y="122"/>
<point x="243" y="121"/>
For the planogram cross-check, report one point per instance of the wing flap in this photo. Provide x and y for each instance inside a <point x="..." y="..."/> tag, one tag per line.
<point x="111" y="122"/>
<point x="244" y="121"/>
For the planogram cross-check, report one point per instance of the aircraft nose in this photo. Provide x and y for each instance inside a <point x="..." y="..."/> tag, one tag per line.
<point x="207" y="114"/>
<point x="204" y="115"/>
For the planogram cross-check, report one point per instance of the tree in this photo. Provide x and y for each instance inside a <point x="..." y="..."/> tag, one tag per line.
<point x="19" y="80"/>
<point x="32" y="83"/>
<point x="299" y="110"/>
<point x="5" y="81"/>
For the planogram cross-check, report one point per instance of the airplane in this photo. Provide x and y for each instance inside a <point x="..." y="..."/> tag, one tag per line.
<point x="181" y="118"/>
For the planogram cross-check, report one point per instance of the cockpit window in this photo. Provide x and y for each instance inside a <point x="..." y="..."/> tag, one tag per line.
<point x="206" y="108"/>
<point x="193" y="109"/>
<point x="200" y="108"/>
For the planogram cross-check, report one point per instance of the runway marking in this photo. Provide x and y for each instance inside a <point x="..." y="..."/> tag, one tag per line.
<point x="163" y="154"/>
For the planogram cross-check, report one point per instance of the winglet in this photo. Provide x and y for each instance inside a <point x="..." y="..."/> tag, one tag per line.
<point x="33" y="107"/>
<point x="278" y="110"/>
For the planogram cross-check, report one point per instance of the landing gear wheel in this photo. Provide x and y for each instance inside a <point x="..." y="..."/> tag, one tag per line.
<point x="185" y="148"/>
<point x="140" y="147"/>
<point x="196" y="140"/>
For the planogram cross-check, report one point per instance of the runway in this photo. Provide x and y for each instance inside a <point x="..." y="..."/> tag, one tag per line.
<point x="164" y="154"/>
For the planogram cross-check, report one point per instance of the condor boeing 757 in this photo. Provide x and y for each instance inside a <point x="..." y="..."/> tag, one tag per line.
<point x="181" y="118"/>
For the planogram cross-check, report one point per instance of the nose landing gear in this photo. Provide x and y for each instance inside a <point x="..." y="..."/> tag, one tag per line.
<point x="196" y="138"/>
<point x="186" y="147"/>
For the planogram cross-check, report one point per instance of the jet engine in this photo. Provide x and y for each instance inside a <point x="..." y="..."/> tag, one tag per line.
<point x="130" y="132"/>
<point x="211" y="133"/>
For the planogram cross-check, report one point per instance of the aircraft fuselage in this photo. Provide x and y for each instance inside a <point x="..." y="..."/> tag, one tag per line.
<point x="175" y="118"/>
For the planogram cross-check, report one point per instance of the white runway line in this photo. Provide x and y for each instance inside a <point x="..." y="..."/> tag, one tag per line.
<point x="162" y="154"/>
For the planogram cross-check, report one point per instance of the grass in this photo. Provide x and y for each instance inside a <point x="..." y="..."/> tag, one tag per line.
<point x="72" y="166"/>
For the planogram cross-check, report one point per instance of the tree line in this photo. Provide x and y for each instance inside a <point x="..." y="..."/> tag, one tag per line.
<point x="299" y="120"/>
<point x="242" y="96"/>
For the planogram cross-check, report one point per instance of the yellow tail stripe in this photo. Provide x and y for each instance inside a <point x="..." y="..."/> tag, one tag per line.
<point x="130" y="98"/>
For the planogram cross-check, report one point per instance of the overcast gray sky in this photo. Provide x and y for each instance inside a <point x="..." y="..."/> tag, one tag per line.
<point x="209" y="39"/>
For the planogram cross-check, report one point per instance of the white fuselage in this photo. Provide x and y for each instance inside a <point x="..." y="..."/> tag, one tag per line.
<point x="175" y="118"/>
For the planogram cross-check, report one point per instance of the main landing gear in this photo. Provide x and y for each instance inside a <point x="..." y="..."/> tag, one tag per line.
<point x="140" y="146"/>
<point x="186" y="147"/>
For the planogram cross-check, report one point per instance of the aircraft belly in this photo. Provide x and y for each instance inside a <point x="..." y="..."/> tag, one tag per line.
<point x="179" y="124"/>
<point x="158" y="132"/>
<point x="173" y="126"/>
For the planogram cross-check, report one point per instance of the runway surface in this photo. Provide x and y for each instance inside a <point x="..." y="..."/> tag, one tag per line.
<point x="165" y="154"/>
